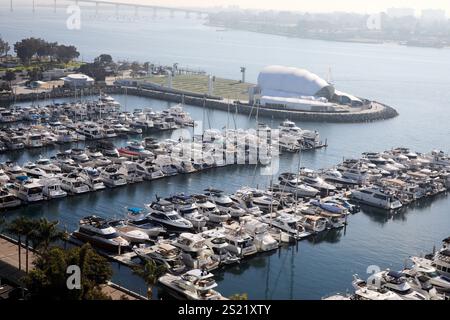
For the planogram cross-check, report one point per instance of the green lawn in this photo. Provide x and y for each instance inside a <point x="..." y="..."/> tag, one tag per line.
<point x="199" y="84"/>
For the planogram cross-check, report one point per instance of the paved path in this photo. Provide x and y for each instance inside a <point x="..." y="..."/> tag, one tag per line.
<point x="9" y="269"/>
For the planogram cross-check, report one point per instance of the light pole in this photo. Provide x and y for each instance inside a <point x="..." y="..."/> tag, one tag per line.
<point x="243" y="74"/>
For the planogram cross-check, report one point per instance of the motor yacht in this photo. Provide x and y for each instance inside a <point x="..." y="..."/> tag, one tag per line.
<point x="4" y="178"/>
<point x="26" y="189"/>
<point x="13" y="170"/>
<point x="73" y="183"/>
<point x="135" y="150"/>
<point x="313" y="223"/>
<point x="34" y="140"/>
<point x="79" y="155"/>
<point x="217" y="242"/>
<point x="288" y="223"/>
<point x="15" y="142"/>
<point x="48" y="166"/>
<point x="396" y="282"/>
<point x="245" y="201"/>
<point x="196" y="253"/>
<point x="149" y="170"/>
<point x="90" y="130"/>
<point x="33" y="171"/>
<point x="96" y="231"/>
<point x="8" y="200"/>
<point x="138" y="218"/>
<point x="163" y="212"/>
<point x="363" y="291"/>
<point x="312" y="179"/>
<point x="51" y="188"/>
<point x="107" y="148"/>
<point x="291" y="183"/>
<point x="224" y="203"/>
<point x="335" y="176"/>
<point x="260" y="199"/>
<point x="129" y="170"/>
<point x="377" y="198"/>
<point x="187" y="208"/>
<point x="423" y="266"/>
<point x="128" y="232"/>
<point x="210" y="210"/>
<point x="112" y="177"/>
<point x="92" y="178"/>
<point x="163" y="254"/>
<point x="259" y="231"/>
<point x="193" y="285"/>
<point x="239" y="241"/>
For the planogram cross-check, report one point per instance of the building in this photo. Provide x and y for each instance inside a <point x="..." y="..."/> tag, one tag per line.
<point x="78" y="80"/>
<point x="53" y="74"/>
<point x="299" y="89"/>
<point x="400" y="12"/>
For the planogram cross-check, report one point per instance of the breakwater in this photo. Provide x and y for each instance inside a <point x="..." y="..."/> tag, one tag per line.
<point x="375" y="111"/>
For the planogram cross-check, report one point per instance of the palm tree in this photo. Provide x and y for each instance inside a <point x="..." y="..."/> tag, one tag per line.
<point x="16" y="227"/>
<point x="29" y="231"/>
<point x="45" y="234"/>
<point x="150" y="272"/>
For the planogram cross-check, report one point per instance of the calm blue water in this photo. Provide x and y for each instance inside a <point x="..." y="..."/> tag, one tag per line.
<point x="413" y="80"/>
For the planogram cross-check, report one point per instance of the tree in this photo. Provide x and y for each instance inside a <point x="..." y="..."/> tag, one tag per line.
<point x="150" y="272"/>
<point x="66" y="53"/>
<point x="9" y="77"/>
<point x="45" y="234"/>
<point x="104" y="60"/>
<point x="4" y="47"/>
<point x="35" y="74"/>
<point x="27" y="48"/>
<point x="49" y="279"/>
<point x="28" y="230"/>
<point x="93" y="70"/>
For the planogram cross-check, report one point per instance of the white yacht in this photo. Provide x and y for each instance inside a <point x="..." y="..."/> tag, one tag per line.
<point x="8" y="200"/>
<point x="423" y="266"/>
<point x="33" y="171"/>
<point x="162" y="212"/>
<point x="239" y="241"/>
<point x="363" y="291"/>
<point x="196" y="253"/>
<point x="293" y="184"/>
<point x="139" y="219"/>
<point x="287" y="223"/>
<point x="224" y="203"/>
<point x="79" y="155"/>
<point x="47" y="165"/>
<point x="259" y="231"/>
<point x="335" y="176"/>
<point x="128" y="232"/>
<point x="210" y="210"/>
<point x="187" y="208"/>
<point x="441" y="260"/>
<point x="73" y="183"/>
<point x="149" y="170"/>
<point x="97" y="232"/>
<point x="216" y="241"/>
<point x="163" y="254"/>
<point x="90" y="130"/>
<point x="130" y="171"/>
<point x="312" y="179"/>
<point x="4" y="178"/>
<point x="260" y="199"/>
<point x="27" y="190"/>
<point x="313" y="223"/>
<point x="34" y="140"/>
<point x="396" y="282"/>
<point x="15" y="142"/>
<point x="51" y="188"/>
<point x="112" y="177"/>
<point x="13" y="170"/>
<point x="245" y="201"/>
<point x="193" y="285"/>
<point x="376" y="197"/>
<point x="92" y="178"/>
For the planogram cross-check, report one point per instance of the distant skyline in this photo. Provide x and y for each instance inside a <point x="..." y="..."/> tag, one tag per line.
<point x="359" y="6"/>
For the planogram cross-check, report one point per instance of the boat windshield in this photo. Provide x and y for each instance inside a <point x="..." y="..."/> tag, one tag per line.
<point x="111" y="235"/>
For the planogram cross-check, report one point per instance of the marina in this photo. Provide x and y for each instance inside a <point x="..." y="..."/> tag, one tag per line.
<point x="395" y="201"/>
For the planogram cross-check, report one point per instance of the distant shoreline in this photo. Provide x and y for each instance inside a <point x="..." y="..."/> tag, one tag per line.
<point x="223" y="28"/>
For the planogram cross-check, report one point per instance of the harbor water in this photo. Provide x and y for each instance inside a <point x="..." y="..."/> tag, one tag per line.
<point x="415" y="81"/>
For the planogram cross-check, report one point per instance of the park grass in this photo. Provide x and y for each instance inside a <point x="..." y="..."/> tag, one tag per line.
<point x="225" y="88"/>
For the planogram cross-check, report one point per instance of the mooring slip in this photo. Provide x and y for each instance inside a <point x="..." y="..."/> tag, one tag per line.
<point x="192" y="232"/>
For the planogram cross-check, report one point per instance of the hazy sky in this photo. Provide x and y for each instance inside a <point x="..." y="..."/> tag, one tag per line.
<point x="311" y="5"/>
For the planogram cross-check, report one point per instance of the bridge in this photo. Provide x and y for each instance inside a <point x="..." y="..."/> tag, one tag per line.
<point x="172" y="10"/>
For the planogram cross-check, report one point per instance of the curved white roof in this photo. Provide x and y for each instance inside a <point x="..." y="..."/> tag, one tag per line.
<point x="290" y="80"/>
